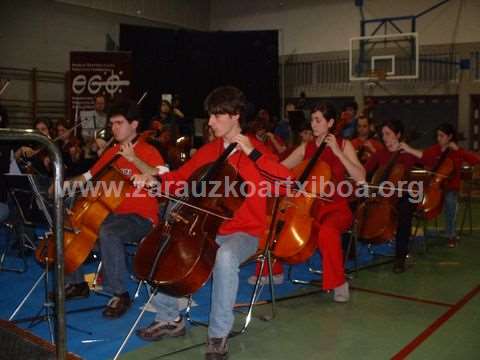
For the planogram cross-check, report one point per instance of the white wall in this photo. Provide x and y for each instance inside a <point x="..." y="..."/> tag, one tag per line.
<point x="41" y="33"/>
<point x="192" y="14"/>
<point x="311" y="26"/>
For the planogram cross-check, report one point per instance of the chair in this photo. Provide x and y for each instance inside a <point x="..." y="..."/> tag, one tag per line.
<point x="352" y="245"/>
<point x="422" y="223"/>
<point x="263" y="255"/>
<point x="129" y="254"/>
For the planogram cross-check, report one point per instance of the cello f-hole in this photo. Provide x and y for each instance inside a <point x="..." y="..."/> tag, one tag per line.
<point x="190" y="231"/>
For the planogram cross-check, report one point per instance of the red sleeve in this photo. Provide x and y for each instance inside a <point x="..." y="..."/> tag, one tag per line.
<point x="172" y="180"/>
<point x="356" y="143"/>
<point x="279" y="140"/>
<point x="377" y="144"/>
<point x="270" y="168"/>
<point x="429" y="156"/>
<point x="268" y="163"/>
<point x="104" y="159"/>
<point x="151" y="156"/>
<point x="372" y="163"/>
<point x="470" y="157"/>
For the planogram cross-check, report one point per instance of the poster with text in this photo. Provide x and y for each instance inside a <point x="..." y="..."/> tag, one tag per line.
<point x="94" y="74"/>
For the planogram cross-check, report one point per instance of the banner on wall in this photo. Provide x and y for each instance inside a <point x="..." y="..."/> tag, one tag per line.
<point x="94" y="74"/>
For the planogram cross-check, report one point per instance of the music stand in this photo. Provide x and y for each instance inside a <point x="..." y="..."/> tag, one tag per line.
<point x="32" y="208"/>
<point x="29" y="194"/>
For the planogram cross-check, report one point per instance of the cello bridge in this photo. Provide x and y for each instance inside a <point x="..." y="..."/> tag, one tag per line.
<point x="177" y="217"/>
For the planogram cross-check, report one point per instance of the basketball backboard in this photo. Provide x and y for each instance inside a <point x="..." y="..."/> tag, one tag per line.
<point x="384" y="57"/>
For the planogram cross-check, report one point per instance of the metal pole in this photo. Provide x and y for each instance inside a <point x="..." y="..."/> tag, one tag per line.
<point x="28" y="135"/>
<point x="34" y="94"/>
<point x="431" y="8"/>
<point x="282" y="71"/>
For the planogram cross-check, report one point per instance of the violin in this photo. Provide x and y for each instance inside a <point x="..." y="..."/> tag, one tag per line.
<point x="293" y="223"/>
<point x="178" y="256"/>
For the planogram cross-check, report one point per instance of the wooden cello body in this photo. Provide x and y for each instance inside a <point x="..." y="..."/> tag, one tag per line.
<point x="294" y="219"/>
<point x="377" y="216"/>
<point x="432" y="202"/>
<point x="178" y="256"/>
<point x="83" y="223"/>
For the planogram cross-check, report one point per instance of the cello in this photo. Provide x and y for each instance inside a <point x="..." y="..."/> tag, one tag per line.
<point x="178" y="256"/>
<point x="85" y="218"/>
<point x="377" y="216"/>
<point x="294" y="221"/>
<point x="431" y="205"/>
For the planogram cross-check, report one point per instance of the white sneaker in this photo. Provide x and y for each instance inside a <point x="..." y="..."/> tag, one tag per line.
<point x="341" y="294"/>
<point x="265" y="280"/>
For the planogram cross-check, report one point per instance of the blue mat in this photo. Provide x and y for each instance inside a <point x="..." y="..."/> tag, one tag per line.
<point x="93" y="337"/>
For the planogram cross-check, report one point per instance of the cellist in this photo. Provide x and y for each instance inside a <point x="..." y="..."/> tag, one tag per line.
<point x="446" y="137"/>
<point x="363" y="142"/>
<point x="238" y="237"/>
<point x="392" y="132"/>
<point x="331" y="218"/>
<point x="131" y="220"/>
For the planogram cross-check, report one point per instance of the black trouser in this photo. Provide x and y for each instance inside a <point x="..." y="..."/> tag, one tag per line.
<point x="405" y="210"/>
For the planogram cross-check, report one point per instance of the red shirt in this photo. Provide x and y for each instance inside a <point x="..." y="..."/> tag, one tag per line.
<point x="269" y="144"/>
<point x="382" y="157"/>
<point x="358" y="143"/>
<point x="432" y="155"/>
<point x="365" y="154"/>
<point x="250" y="217"/>
<point x="137" y="202"/>
<point x="336" y="166"/>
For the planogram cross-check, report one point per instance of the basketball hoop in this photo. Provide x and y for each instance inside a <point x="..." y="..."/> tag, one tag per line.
<point x="373" y="63"/>
<point x="377" y="75"/>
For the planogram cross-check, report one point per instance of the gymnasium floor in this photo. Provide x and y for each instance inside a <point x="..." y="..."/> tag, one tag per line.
<point x="430" y="312"/>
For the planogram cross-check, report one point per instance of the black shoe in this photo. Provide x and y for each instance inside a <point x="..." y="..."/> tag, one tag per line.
<point x="399" y="265"/>
<point x="159" y="329"/>
<point x="217" y="349"/>
<point x="117" y="306"/>
<point x="74" y="291"/>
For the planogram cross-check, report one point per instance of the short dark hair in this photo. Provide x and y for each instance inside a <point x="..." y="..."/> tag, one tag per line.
<point x="129" y="110"/>
<point x="42" y="120"/>
<point x="62" y="122"/>
<point x="448" y="129"/>
<point x="226" y="100"/>
<point x="351" y="104"/>
<point x="362" y="116"/>
<point x="305" y="125"/>
<point x="327" y="109"/>
<point x="395" y="125"/>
